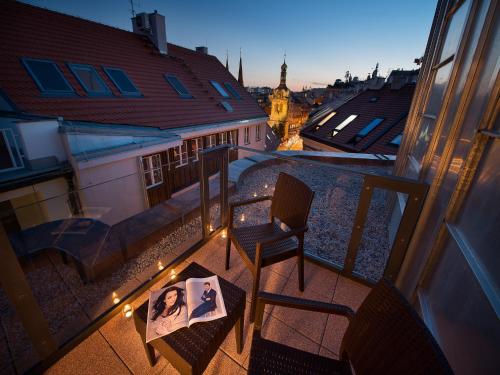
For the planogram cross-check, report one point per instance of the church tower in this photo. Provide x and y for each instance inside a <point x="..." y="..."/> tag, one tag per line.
<point x="240" y="73"/>
<point x="280" y="105"/>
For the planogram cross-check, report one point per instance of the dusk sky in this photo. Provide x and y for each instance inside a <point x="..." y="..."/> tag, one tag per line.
<point x="322" y="38"/>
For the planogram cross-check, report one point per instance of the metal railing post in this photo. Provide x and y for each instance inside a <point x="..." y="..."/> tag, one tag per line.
<point x="204" y="196"/>
<point x="224" y="187"/>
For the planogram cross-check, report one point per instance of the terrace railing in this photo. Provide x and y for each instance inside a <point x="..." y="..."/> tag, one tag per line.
<point x="349" y="224"/>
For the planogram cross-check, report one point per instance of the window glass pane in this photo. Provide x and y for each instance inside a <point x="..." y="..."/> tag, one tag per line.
<point x="145" y="164"/>
<point x="121" y="81"/>
<point x="219" y="89"/>
<point x="231" y="89"/>
<point x="466" y="325"/>
<point x="480" y="219"/>
<point x="438" y="89"/>
<point x="343" y="124"/>
<point x="148" y="179"/>
<point x="5" y="159"/>
<point x="157" y="176"/>
<point x="48" y="76"/>
<point x="156" y="161"/>
<point x="454" y="32"/>
<point x="228" y="107"/>
<point x="178" y="86"/>
<point x="89" y="79"/>
<point x="396" y="141"/>
<point x="368" y="128"/>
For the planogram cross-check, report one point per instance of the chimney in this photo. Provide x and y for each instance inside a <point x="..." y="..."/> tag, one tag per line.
<point x="202" y="49"/>
<point x="153" y="26"/>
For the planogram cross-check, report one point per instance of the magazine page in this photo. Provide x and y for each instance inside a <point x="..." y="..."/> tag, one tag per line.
<point x="167" y="311"/>
<point x="205" y="300"/>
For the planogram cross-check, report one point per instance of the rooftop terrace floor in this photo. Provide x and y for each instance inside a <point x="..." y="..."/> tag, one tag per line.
<point x="116" y="348"/>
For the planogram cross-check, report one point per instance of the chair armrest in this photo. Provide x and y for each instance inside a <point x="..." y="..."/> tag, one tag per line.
<point x="232" y="205"/>
<point x="281" y="236"/>
<point x="265" y="298"/>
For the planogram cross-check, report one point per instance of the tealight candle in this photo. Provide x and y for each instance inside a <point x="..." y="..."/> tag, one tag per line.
<point x="254" y="194"/>
<point x="242" y="218"/>
<point x="116" y="300"/>
<point x="173" y="275"/>
<point x="160" y="265"/>
<point x="127" y="311"/>
<point x="265" y="186"/>
<point x="211" y="228"/>
<point x="224" y="233"/>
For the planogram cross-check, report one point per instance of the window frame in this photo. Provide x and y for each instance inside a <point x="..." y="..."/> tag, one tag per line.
<point x="136" y="93"/>
<point x="10" y="147"/>
<point x="169" y="77"/>
<point x="258" y="137"/>
<point x="372" y="125"/>
<point x="217" y="86"/>
<point x="73" y="66"/>
<point x="343" y="124"/>
<point x="151" y="170"/>
<point x="246" y="135"/>
<point x="199" y="146"/>
<point x="71" y="92"/>
<point x="223" y="135"/>
<point x="232" y="91"/>
<point x="208" y="137"/>
<point x="183" y="155"/>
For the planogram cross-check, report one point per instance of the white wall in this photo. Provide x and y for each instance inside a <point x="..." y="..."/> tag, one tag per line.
<point x="42" y="139"/>
<point x="112" y="192"/>
<point x="258" y="145"/>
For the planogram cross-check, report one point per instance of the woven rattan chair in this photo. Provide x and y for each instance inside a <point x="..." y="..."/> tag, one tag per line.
<point x="385" y="336"/>
<point x="266" y="244"/>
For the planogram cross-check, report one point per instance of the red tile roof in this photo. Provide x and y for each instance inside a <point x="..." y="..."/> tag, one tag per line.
<point x="29" y="31"/>
<point x="390" y="105"/>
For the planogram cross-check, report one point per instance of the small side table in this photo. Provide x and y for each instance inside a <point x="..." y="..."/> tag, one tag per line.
<point x="191" y="349"/>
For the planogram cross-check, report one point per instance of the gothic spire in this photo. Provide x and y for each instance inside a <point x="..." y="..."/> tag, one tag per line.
<point x="227" y="59"/>
<point x="240" y="72"/>
<point x="283" y="74"/>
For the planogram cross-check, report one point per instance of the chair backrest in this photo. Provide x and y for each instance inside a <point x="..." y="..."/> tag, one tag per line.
<point x="386" y="336"/>
<point x="291" y="201"/>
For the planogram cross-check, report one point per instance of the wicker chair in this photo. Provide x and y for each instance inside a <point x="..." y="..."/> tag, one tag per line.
<point x="385" y="336"/>
<point x="266" y="244"/>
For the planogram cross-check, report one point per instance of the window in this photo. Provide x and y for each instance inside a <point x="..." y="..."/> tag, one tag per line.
<point x="247" y="135"/>
<point x="89" y="79"/>
<point x="223" y="138"/>
<point x="181" y="155"/>
<point x="233" y="137"/>
<point x="396" y="141"/>
<point x="228" y="107"/>
<point x="219" y="89"/>
<point x="10" y="157"/>
<point x="257" y="133"/>
<point x="48" y="77"/>
<point x="368" y="128"/>
<point x="196" y="147"/>
<point x="178" y="86"/>
<point x="323" y="122"/>
<point x="231" y="89"/>
<point x="210" y="141"/>
<point x="152" y="170"/>
<point x="343" y="124"/>
<point x="122" y="82"/>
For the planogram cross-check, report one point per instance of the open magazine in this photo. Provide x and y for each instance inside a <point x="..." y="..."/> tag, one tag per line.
<point x="182" y="304"/>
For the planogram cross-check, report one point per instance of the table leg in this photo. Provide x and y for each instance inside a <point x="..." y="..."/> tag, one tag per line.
<point x="239" y="333"/>
<point x="150" y="352"/>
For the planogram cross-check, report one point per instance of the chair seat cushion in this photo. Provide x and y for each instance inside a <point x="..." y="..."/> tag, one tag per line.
<point x="269" y="357"/>
<point x="246" y="238"/>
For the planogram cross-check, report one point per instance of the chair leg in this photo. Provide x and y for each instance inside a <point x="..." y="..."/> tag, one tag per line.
<point x="300" y="268"/>
<point x="255" y="291"/>
<point x="228" y="252"/>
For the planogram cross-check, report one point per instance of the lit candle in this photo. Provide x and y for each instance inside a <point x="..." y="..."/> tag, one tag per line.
<point x="211" y="228"/>
<point x="127" y="311"/>
<point x="242" y="218"/>
<point x="265" y="186"/>
<point x="254" y="194"/>
<point x="224" y="233"/>
<point x="173" y="275"/>
<point x="160" y="265"/>
<point x="116" y="300"/>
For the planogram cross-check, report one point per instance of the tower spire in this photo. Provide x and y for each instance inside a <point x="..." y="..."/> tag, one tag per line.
<point x="227" y="59"/>
<point x="240" y="72"/>
<point x="283" y="73"/>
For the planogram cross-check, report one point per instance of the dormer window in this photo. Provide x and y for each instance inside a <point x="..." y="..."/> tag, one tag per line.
<point x="178" y="86"/>
<point x="89" y="79"/>
<point x="48" y="77"/>
<point x="231" y="89"/>
<point x="122" y="82"/>
<point x="219" y="89"/>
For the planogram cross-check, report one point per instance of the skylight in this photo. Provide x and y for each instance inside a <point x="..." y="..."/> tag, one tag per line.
<point x="323" y="122"/>
<point x="122" y="82"/>
<point x="228" y="107"/>
<point x="178" y="86"/>
<point x="48" y="77"/>
<point x="219" y="89"/>
<point x="231" y="89"/>
<point x="396" y="141"/>
<point x="89" y="79"/>
<point x="343" y="124"/>
<point x="368" y="128"/>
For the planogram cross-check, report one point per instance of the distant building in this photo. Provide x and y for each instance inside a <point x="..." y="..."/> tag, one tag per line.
<point x="288" y="112"/>
<point x="371" y="122"/>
